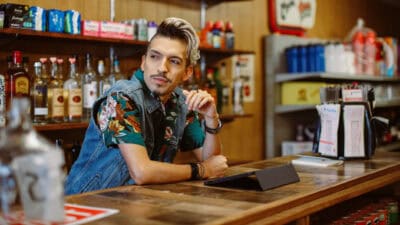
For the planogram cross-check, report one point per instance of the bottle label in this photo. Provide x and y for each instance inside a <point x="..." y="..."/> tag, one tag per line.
<point x="40" y="111"/>
<point x="22" y="86"/>
<point x="89" y="94"/>
<point x="57" y="102"/>
<point x="75" y="102"/>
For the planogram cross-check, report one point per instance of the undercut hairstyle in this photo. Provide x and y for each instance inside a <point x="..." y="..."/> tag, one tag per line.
<point x="177" y="28"/>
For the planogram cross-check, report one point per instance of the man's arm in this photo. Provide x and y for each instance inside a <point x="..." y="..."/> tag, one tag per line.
<point x="146" y="171"/>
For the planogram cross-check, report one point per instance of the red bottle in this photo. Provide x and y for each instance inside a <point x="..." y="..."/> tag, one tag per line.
<point x="17" y="80"/>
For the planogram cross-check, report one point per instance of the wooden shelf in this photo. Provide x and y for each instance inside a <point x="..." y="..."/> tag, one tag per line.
<point x="283" y="77"/>
<point x="29" y="40"/>
<point x="60" y="126"/>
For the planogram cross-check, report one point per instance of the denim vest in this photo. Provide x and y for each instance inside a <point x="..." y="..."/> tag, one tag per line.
<point x="99" y="166"/>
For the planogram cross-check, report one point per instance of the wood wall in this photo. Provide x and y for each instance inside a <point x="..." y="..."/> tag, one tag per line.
<point x="243" y="139"/>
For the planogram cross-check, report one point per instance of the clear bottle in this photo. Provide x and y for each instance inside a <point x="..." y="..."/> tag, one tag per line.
<point x="237" y="95"/>
<point x="115" y="72"/>
<point x="73" y="94"/>
<point x="89" y="84"/>
<point x="229" y="36"/>
<point x="2" y="100"/>
<point x="35" y="164"/>
<point x="39" y="95"/>
<point x="55" y="94"/>
<point x="210" y="85"/>
<point x="104" y="83"/>
<point x="18" y="81"/>
<point x="226" y="90"/>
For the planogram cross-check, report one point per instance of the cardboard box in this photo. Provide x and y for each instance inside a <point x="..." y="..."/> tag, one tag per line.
<point x="301" y="93"/>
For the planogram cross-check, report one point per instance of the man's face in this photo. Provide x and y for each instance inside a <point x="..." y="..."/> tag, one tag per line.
<point x="164" y="65"/>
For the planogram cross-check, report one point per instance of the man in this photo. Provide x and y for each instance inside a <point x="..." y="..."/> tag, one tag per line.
<point x="139" y="125"/>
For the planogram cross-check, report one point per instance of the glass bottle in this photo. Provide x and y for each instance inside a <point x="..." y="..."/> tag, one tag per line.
<point x="36" y="165"/>
<point x="115" y="72"/>
<point x="89" y="83"/>
<point x="237" y="95"/>
<point x="2" y="100"/>
<point x="226" y="90"/>
<point x="104" y="83"/>
<point x="73" y="94"/>
<point x="55" y="94"/>
<point x="210" y="85"/>
<point x="17" y="80"/>
<point x="39" y="95"/>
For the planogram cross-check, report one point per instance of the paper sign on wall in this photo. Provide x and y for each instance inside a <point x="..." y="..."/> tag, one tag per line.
<point x="246" y="62"/>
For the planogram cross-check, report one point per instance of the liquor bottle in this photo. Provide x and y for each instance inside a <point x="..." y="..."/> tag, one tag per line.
<point x="115" y="72"/>
<point x="73" y="94"/>
<point x="39" y="95"/>
<point x="229" y="35"/>
<point x="17" y="80"/>
<point x="219" y="90"/>
<point x="89" y="83"/>
<point x="210" y="85"/>
<point x="237" y="91"/>
<point x="55" y="94"/>
<point x="36" y="166"/>
<point x="104" y="83"/>
<point x="226" y="90"/>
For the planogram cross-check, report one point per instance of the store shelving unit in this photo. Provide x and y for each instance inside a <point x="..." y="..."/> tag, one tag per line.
<point x="281" y="119"/>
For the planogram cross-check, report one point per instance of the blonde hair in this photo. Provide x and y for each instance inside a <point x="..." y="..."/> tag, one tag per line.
<point x="177" y="28"/>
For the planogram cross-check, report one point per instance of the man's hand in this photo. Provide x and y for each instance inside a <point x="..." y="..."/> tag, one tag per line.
<point x="202" y="102"/>
<point x="215" y="166"/>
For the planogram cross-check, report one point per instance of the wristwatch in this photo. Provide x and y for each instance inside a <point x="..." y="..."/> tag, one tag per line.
<point x="213" y="130"/>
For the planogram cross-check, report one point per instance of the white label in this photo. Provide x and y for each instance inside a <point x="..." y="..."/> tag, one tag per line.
<point x="89" y="94"/>
<point x="57" y="102"/>
<point x="41" y="111"/>
<point x="75" y="102"/>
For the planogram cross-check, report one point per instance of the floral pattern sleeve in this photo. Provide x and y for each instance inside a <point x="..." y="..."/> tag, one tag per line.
<point x="118" y="119"/>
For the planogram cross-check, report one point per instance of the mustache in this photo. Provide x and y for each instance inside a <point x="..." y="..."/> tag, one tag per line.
<point x="161" y="75"/>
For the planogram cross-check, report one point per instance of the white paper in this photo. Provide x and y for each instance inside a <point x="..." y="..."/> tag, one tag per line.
<point x="305" y="160"/>
<point x="353" y="119"/>
<point x="329" y="115"/>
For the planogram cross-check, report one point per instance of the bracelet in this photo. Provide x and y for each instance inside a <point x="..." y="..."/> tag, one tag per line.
<point x="213" y="130"/>
<point x="195" y="172"/>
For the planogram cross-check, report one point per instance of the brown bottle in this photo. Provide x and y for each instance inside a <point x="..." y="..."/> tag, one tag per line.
<point x="17" y="80"/>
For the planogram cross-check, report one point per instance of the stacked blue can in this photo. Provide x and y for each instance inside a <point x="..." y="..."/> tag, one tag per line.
<point x="305" y="58"/>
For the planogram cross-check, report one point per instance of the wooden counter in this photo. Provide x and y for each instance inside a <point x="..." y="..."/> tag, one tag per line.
<point x="193" y="203"/>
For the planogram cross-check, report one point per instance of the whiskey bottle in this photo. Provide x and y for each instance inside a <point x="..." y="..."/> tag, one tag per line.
<point x="89" y="83"/>
<point x="39" y="95"/>
<point x="55" y="94"/>
<point x="73" y="94"/>
<point x="17" y="80"/>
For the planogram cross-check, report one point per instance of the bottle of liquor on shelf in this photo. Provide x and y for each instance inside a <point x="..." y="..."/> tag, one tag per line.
<point x="73" y="94"/>
<point x="55" y="94"/>
<point x="226" y="89"/>
<point x="115" y="71"/>
<point x="104" y="83"/>
<point x="39" y="95"/>
<point x="237" y="95"/>
<point x="35" y="165"/>
<point x="219" y="89"/>
<point x="89" y="84"/>
<point x="229" y="36"/>
<point x="210" y="85"/>
<point x="18" y="81"/>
